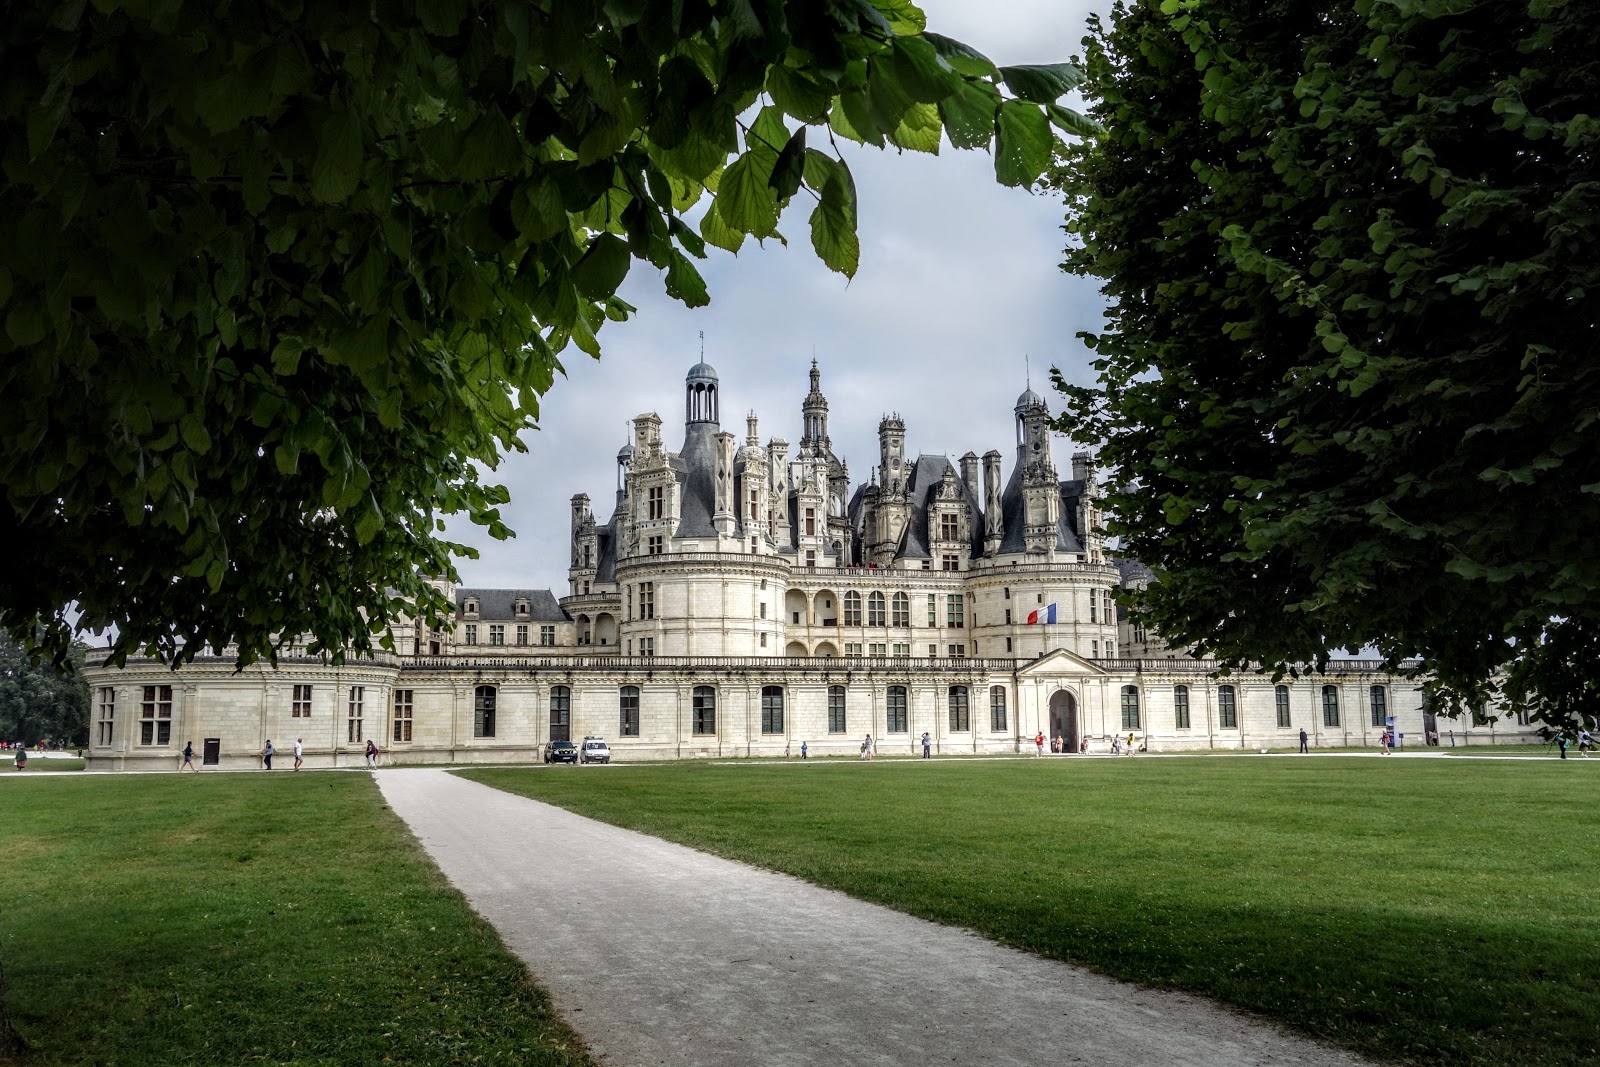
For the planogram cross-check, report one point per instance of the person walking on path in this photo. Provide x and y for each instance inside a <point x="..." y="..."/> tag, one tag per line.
<point x="1130" y="746"/>
<point x="1083" y="744"/>
<point x="188" y="758"/>
<point x="1383" y="743"/>
<point x="1585" y="743"/>
<point x="372" y="754"/>
<point x="1303" y="747"/>
<point x="866" y="747"/>
<point x="787" y="753"/>
<point x="1038" y="743"/>
<point x="1561" y="743"/>
<point x="927" y="746"/>
<point x="1116" y="744"/>
<point x="299" y="751"/>
<point x="22" y="756"/>
<point x="803" y="750"/>
<point x="267" y="752"/>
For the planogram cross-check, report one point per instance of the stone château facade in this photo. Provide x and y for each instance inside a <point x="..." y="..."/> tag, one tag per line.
<point x="741" y="599"/>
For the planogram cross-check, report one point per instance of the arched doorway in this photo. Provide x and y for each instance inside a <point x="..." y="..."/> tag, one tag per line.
<point x="1064" y="718"/>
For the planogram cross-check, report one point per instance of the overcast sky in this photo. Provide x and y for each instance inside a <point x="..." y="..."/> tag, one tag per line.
<point x="959" y="279"/>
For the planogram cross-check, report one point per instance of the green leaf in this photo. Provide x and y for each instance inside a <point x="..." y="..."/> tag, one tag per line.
<point x="800" y="95"/>
<point x="919" y="129"/>
<point x="851" y="119"/>
<point x="195" y="437"/>
<point x="603" y="267"/>
<point x="1069" y="121"/>
<point x="684" y="282"/>
<point x="962" y="58"/>
<point x="833" y="220"/>
<point x="924" y="76"/>
<point x="969" y="115"/>
<point x="1023" y="144"/>
<point x="1044" y="84"/>
<point x="744" y="200"/>
<point x="717" y="232"/>
<point x="337" y="169"/>
<point x="790" y="168"/>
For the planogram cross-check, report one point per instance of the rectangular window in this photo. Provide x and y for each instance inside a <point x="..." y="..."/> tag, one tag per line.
<point x="957" y="651"/>
<point x="472" y="635"/>
<point x="1380" y="706"/>
<point x="655" y="546"/>
<point x="1008" y="616"/>
<point x="933" y="651"/>
<point x="628" y="718"/>
<point x="960" y="714"/>
<point x="811" y="522"/>
<point x="560" y="713"/>
<point x="763" y="611"/>
<point x="1227" y="709"/>
<point x="647" y="600"/>
<point x="877" y="649"/>
<point x="402" y="714"/>
<point x="155" y="716"/>
<point x="763" y="640"/>
<point x="948" y="562"/>
<point x="933" y="610"/>
<point x="1281" y="697"/>
<point x="301" y="707"/>
<point x="1330" y="706"/>
<point x="1094" y="649"/>
<point x="902" y="648"/>
<point x="1180" y="707"/>
<point x="483" y="707"/>
<point x="852" y="609"/>
<point x="852" y="648"/>
<point x="949" y="528"/>
<point x="522" y="633"/>
<point x="108" y="713"/>
<point x="875" y="610"/>
<point x="647" y="646"/>
<point x="705" y="710"/>
<point x="497" y="633"/>
<point x="354" y="713"/>
<point x="997" y="708"/>
<point x="902" y="610"/>
<point x="811" y="559"/>
<point x="836" y="723"/>
<point x="547" y="635"/>
<point x="1008" y="644"/>
<point x="772" y="709"/>
<point x="629" y="590"/>
<point x="656" y="496"/>
<point x="896" y="710"/>
<point x="955" y="611"/>
<point x="1130" y="707"/>
<point x="1094" y="605"/>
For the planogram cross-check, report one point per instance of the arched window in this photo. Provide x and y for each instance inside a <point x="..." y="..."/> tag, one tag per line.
<point x="902" y="610"/>
<point x="705" y="710"/>
<point x="1130" y="707"/>
<point x="896" y="708"/>
<point x="852" y="608"/>
<point x="628" y="719"/>
<point x="1227" y="708"/>
<point x="1180" y="706"/>
<point x="772" y="709"/>
<point x="875" y="610"/>
<point x="836" y="724"/>
<point x="560" y="713"/>
<point x="997" y="708"/>
<point x="483" y="701"/>
<point x="1330" y="705"/>
<point x="1380" y="706"/>
<point x="960" y="715"/>
<point x="1280" y="694"/>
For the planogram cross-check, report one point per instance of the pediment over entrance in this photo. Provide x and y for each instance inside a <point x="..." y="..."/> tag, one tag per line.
<point x="1059" y="663"/>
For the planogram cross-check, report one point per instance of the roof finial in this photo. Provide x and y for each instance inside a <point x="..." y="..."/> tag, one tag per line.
<point x="1027" y="370"/>
<point x="702" y="346"/>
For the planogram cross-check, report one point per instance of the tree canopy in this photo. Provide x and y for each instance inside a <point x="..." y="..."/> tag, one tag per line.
<point x="1348" y="386"/>
<point x="278" y="278"/>
<point x="39" y="702"/>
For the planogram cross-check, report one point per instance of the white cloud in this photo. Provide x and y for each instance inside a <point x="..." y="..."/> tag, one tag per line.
<point x="959" y="279"/>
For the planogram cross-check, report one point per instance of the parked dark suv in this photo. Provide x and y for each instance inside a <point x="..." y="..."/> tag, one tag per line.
<point x="561" y="752"/>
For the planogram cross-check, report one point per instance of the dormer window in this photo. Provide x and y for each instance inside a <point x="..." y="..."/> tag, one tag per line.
<point x="470" y="607"/>
<point x="522" y="608"/>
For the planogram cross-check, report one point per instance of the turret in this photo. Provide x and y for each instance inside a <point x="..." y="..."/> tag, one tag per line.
<point x="700" y="394"/>
<point x="891" y="454"/>
<point x="1041" y="492"/>
<point x="814" y="418"/>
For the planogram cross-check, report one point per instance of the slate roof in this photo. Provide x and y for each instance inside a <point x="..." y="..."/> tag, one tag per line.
<point x="698" y="476"/>
<point x="1068" y="536"/>
<point x="927" y="474"/>
<point x="499" y="604"/>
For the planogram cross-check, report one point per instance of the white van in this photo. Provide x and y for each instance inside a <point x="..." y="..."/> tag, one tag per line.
<point x="594" y="750"/>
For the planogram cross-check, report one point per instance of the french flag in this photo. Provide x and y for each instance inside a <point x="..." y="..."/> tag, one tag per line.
<point x="1044" y="614"/>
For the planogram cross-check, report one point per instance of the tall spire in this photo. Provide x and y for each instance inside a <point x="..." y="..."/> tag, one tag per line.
<point x="814" y="413"/>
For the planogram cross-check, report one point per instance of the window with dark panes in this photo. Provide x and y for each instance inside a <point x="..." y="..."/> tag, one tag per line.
<point x="483" y="705"/>
<point x="772" y="709"/>
<point x="960" y="713"/>
<point x="836" y="723"/>
<point x="1227" y="708"/>
<point x="1180" y="706"/>
<point x="155" y="715"/>
<point x="628" y="721"/>
<point x="705" y="710"/>
<point x="1330" y="705"/>
<point x="997" y="707"/>
<point x="1130" y="707"/>
<point x="896" y="710"/>
<point x="403" y="707"/>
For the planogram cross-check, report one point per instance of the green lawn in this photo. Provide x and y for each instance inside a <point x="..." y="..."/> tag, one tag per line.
<point x="228" y="918"/>
<point x="1438" y="911"/>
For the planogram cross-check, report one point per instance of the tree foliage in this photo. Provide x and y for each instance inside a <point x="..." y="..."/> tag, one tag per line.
<point x="39" y="701"/>
<point x="278" y="277"/>
<point x="1348" y="387"/>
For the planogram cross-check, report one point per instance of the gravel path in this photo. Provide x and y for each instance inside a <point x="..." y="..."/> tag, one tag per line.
<point x="658" y="954"/>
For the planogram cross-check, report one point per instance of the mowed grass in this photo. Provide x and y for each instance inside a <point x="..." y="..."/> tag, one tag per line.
<point x="1430" y="911"/>
<point x="227" y="919"/>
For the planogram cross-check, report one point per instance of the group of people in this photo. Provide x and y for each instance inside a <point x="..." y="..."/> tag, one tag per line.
<point x="1060" y="745"/>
